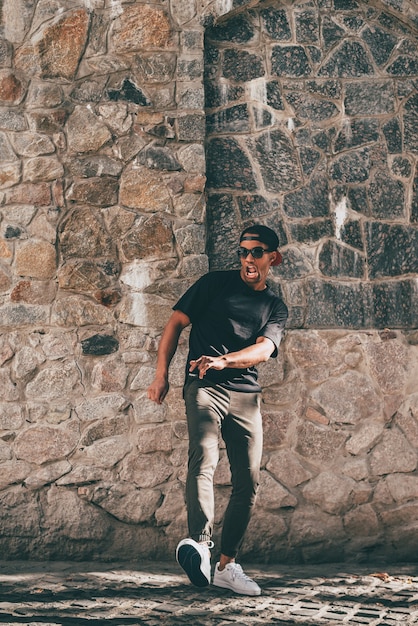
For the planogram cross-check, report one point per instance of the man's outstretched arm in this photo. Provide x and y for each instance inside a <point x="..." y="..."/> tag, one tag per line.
<point x="158" y="389"/>
<point x="260" y="351"/>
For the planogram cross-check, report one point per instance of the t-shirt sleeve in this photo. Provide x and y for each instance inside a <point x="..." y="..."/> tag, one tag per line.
<point x="274" y="328"/>
<point x="195" y="299"/>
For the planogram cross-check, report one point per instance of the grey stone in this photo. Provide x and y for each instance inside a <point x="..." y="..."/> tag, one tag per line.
<point x="353" y="167"/>
<point x="348" y="60"/>
<point x="125" y="502"/>
<point x="310" y="525"/>
<point x="348" y="399"/>
<point x="41" y="444"/>
<point x="318" y="443"/>
<point x="272" y="495"/>
<point x="286" y="468"/>
<point x="290" y="61"/>
<point x="49" y="474"/>
<point x="411" y="124"/>
<point x="85" y="131"/>
<point x="330" y="492"/>
<point x="363" y="97"/>
<point x="310" y="201"/>
<point x="229" y="166"/>
<point x="393" y="454"/>
<point x="277" y="161"/>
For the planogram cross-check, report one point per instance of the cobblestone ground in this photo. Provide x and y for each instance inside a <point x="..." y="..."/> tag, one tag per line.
<point x="117" y="594"/>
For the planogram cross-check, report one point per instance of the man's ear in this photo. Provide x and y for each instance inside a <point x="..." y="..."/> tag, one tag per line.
<point x="278" y="258"/>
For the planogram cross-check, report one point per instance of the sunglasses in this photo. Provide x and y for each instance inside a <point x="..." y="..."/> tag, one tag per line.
<point x="256" y="252"/>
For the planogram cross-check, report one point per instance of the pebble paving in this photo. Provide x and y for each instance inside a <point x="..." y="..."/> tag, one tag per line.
<point x="151" y="594"/>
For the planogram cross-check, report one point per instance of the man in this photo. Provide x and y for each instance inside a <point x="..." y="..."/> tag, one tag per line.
<point x="237" y="322"/>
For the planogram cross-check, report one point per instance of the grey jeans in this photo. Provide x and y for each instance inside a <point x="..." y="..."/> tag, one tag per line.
<point x="237" y="415"/>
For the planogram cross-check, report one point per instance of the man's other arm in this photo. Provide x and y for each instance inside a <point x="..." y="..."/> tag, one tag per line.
<point x="158" y="389"/>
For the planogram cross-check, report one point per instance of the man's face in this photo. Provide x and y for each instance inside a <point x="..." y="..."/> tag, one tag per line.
<point x="254" y="271"/>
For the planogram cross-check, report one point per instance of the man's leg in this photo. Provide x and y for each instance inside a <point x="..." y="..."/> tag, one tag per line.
<point x="243" y="435"/>
<point x="204" y="407"/>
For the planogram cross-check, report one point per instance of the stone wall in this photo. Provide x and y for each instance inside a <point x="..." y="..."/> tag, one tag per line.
<point x="117" y="121"/>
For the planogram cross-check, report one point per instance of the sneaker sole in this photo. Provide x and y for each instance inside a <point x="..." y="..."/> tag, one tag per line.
<point x="241" y="593"/>
<point x="189" y="559"/>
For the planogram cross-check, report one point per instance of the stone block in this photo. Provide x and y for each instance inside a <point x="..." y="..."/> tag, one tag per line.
<point x="411" y="124"/>
<point x="228" y="165"/>
<point x="230" y="120"/>
<point x="144" y="189"/>
<point x="330" y="492"/>
<point x="290" y="61"/>
<point x="393" y="454"/>
<point x="275" y="23"/>
<point x="312" y="200"/>
<point x="349" y="59"/>
<point x="242" y="66"/>
<point x="41" y="444"/>
<point x="277" y="160"/>
<point x="319" y="443"/>
<point x="85" y="131"/>
<point x="141" y="27"/>
<point x="391" y="249"/>
<point x="139" y="470"/>
<point x="339" y="261"/>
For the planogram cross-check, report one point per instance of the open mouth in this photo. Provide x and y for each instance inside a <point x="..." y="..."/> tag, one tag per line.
<point x="251" y="271"/>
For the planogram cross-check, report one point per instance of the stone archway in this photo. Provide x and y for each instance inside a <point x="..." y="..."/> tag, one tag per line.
<point x="311" y="128"/>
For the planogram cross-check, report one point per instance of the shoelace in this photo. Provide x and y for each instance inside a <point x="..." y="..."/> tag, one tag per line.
<point x="238" y="572"/>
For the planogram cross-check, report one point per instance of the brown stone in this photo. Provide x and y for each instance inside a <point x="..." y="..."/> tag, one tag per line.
<point x="28" y="193"/>
<point x="96" y="191"/>
<point x="142" y="472"/>
<point x="319" y="443"/>
<point x="34" y="292"/>
<point x="153" y="438"/>
<point x="5" y="280"/>
<point x="82" y="275"/>
<point x="56" y="51"/>
<point x="349" y="398"/>
<point x="48" y="121"/>
<point x="86" y="132"/>
<point x="42" y="168"/>
<point x="11" y="88"/>
<point x="141" y="27"/>
<point x="110" y="375"/>
<point x="144" y="189"/>
<point x="394" y="454"/>
<point x="75" y="311"/>
<point x="32" y="144"/>
<point x="41" y="444"/>
<point x="315" y="416"/>
<point x="36" y="259"/>
<point x="275" y="426"/>
<point x="195" y="184"/>
<point x="151" y="238"/>
<point x="388" y="364"/>
<point x="5" y="250"/>
<point x="285" y="467"/>
<point x="119" y="220"/>
<point x="82" y="235"/>
<point x="9" y="174"/>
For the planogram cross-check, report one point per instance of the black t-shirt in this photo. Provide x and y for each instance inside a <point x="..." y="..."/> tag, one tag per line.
<point x="227" y="316"/>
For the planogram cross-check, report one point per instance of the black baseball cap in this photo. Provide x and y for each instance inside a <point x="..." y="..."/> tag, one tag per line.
<point x="265" y="235"/>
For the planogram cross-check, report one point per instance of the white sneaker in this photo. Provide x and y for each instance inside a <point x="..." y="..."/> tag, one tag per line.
<point x="234" y="578"/>
<point x="194" y="558"/>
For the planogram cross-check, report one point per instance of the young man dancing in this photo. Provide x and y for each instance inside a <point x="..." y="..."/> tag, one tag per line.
<point x="237" y="322"/>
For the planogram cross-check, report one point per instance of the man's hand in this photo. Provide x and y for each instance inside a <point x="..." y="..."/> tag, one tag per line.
<point x="158" y="390"/>
<point x="205" y="363"/>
